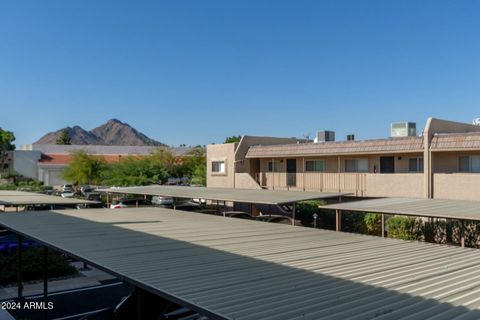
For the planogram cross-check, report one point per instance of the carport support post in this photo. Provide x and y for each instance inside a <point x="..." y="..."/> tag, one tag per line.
<point x="19" y="268"/>
<point x="174" y="203"/>
<point x="338" y="220"/>
<point x="462" y="233"/>
<point x="108" y="200"/>
<point x="383" y="225"/>
<point x="293" y="213"/>
<point x="45" y="278"/>
<point x="139" y="304"/>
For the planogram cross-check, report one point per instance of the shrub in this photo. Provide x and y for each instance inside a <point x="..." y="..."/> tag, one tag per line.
<point x="353" y="222"/>
<point x="373" y="223"/>
<point x="305" y="211"/>
<point x="32" y="262"/>
<point x="405" y="228"/>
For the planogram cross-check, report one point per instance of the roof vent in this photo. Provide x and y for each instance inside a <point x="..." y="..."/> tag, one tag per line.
<point x="350" y="137"/>
<point x="324" y="136"/>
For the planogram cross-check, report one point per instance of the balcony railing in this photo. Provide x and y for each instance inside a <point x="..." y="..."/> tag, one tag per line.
<point x="359" y="184"/>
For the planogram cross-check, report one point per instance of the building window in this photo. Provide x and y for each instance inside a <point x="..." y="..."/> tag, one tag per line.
<point x="273" y="166"/>
<point x="415" y="165"/>
<point x="469" y="164"/>
<point x="356" y="165"/>
<point x="314" y="166"/>
<point x="218" y="166"/>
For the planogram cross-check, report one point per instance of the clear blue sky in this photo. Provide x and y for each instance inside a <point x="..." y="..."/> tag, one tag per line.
<point x="196" y="71"/>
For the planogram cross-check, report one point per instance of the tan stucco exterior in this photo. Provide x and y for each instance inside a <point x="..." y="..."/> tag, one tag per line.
<point x="440" y="177"/>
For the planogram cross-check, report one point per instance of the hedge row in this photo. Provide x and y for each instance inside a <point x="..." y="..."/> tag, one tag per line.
<point x="32" y="265"/>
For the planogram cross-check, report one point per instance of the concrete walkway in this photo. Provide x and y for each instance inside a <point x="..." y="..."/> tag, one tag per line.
<point x="87" y="278"/>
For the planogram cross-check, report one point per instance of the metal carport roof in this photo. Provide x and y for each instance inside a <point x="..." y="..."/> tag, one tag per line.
<point x="18" y="198"/>
<point x="228" y="268"/>
<point x="436" y="208"/>
<point x="259" y="196"/>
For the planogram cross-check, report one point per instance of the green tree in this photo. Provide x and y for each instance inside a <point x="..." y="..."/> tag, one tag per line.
<point x="200" y="175"/>
<point x="233" y="139"/>
<point x="64" y="138"/>
<point x="84" y="169"/>
<point x="134" y="171"/>
<point x="6" y="145"/>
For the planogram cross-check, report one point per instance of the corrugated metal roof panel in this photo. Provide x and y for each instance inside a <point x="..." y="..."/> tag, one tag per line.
<point x="30" y="198"/>
<point x="438" y="208"/>
<point x="227" y="194"/>
<point x="236" y="269"/>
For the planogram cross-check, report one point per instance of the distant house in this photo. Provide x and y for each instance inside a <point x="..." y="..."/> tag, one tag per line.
<point x="442" y="162"/>
<point x="44" y="162"/>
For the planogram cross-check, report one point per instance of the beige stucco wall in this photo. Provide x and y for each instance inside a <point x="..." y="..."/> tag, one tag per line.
<point x="459" y="186"/>
<point x="221" y="152"/>
<point x="244" y="180"/>
<point x="394" y="185"/>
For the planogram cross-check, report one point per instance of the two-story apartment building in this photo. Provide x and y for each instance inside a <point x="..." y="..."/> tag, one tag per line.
<point x="442" y="162"/>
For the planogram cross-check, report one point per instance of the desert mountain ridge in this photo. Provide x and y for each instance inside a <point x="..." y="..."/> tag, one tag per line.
<point x="114" y="133"/>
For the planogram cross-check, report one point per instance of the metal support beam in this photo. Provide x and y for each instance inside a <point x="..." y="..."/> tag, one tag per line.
<point x="45" y="279"/>
<point x="174" y="203"/>
<point x="294" y="208"/>
<point x="139" y="304"/>
<point x="338" y="220"/>
<point x="462" y="234"/>
<point x="19" y="269"/>
<point x="224" y="208"/>
<point x="108" y="200"/>
<point x="273" y="173"/>
<point x="383" y="225"/>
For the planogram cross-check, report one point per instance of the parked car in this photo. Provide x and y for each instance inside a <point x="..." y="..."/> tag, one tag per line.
<point x="125" y="203"/>
<point x="93" y="196"/>
<point x="47" y="190"/>
<point x="67" y="194"/>
<point x="67" y="187"/>
<point x="275" y="219"/>
<point x="86" y="189"/>
<point x="237" y="214"/>
<point x="162" y="201"/>
<point x="200" y="201"/>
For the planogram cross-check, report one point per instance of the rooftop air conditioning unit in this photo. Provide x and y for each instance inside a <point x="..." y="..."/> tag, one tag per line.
<point x="403" y="129"/>
<point x="324" y="136"/>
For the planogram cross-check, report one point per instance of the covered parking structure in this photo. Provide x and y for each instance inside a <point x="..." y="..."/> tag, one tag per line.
<point x="251" y="196"/>
<point x="461" y="210"/>
<point x="247" y="270"/>
<point x="21" y="198"/>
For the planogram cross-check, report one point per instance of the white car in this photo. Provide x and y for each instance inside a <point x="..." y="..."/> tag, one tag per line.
<point x="199" y="201"/>
<point x="162" y="201"/>
<point x="67" y="194"/>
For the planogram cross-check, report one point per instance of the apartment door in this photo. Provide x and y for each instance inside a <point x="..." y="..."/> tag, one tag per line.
<point x="387" y="164"/>
<point x="291" y="172"/>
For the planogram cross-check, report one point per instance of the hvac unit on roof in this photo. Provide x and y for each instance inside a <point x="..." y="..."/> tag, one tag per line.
<point x="403" y="129"/>
<point x="324" y="136"/>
